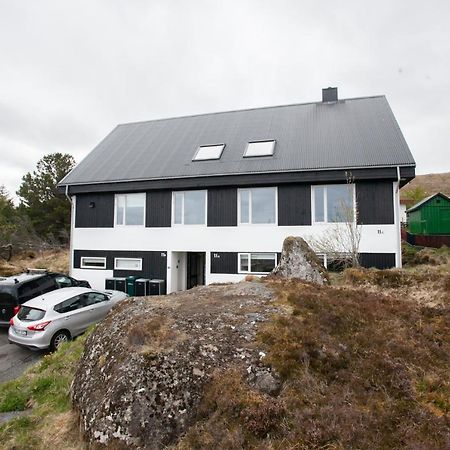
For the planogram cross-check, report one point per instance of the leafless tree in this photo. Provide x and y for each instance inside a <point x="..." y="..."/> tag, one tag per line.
<point x="341" y="240"/>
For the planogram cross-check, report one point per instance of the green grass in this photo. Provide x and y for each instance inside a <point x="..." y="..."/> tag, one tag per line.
<point x="43" y="390"/>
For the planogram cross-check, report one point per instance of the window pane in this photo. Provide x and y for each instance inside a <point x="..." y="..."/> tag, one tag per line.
<point x="128" y="264"/>
<point x="63" y="282"/>
<point x="340" y="203"/>
<point x="30" y="314"/>
<point x="69" y="305"/>
<point x="262" y="262"/>
<point x="120" y="209"/>
<point x="93" y="262"/>
<point x="245" y="205"/>
<point x="135" y="205"/>
<point x="319" y="204"/>
<point x="209" y="152"/>
<point x="263" y="205"/>
<point x="194" y="207"/>
<point x="259" y="148"/>
<point x="94" y="297"/>
<point x="243" y="263"/>
<point x="178" y="208"/>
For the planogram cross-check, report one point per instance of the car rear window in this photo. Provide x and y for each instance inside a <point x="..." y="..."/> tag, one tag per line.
<point x="30" y="314"/>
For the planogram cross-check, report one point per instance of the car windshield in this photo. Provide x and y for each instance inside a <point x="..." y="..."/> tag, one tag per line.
<point x="30" y="314"/>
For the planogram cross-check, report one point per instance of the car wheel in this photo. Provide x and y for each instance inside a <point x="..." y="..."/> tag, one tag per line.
<point x="59" y="338"/>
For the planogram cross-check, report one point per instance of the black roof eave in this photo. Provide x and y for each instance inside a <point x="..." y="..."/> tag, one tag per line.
<point x="407" y="173"/>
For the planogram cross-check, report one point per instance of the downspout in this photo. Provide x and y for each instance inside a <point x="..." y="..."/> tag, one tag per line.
<point x="67" y="194"/>
<point x="397" y="221"/>
<point x="71" y="229"/>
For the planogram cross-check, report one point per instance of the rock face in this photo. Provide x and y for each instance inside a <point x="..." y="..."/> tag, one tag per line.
<point x="299" y="261"/>
<point x="145" y="366"/>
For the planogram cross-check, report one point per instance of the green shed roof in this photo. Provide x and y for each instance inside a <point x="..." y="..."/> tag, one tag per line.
<point x="418" y="205"/>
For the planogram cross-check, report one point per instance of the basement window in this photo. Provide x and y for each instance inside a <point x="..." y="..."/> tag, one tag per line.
<point x="257" y="262"/>
<point x="127" y="264"/>
<point x="208" y="152"/>
<point x="92" y="262"/>
<point x="259" y="148"/>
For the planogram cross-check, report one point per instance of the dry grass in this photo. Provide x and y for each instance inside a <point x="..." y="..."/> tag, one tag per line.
<point x="240" y="416"/>
<point x="361" y="369"/>
<point x="60" y="431"/>
<point x="55" y="260"/>
<point x="154" y="336"/>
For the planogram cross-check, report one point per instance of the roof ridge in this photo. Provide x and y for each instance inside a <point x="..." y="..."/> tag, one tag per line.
<point x="248" y="109"/>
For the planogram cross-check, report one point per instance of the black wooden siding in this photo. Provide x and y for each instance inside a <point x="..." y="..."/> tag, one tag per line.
<point x="375" y="202"/>
<point x="154" y="263"/>
<point x="158" y="209"/>
<point x="294" y="204"/>
<point x="94" y="210"/>
<point x="222" y="207"/>
<point x="377" y="260"/>
<point x="224" y="262"/>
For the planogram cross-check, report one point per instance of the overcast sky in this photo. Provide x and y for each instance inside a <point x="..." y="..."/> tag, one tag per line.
<point x="71" y="70"/>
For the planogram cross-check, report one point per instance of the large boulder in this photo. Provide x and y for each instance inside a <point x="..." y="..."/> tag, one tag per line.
<point x="299" y="261"/>
<point x="142" y="376"/>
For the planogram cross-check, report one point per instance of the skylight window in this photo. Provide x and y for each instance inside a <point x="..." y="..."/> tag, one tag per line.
<point x="206" y="152"/>
<point x="260" y="148"/>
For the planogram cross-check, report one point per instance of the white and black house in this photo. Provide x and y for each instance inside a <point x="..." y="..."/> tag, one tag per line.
<point x="210" y="198"/>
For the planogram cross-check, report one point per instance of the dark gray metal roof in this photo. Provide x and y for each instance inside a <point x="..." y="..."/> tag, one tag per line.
<point x="350" y="133"/>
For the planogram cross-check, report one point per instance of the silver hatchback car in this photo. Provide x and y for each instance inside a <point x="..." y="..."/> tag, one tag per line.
<point x="55" y="317"/>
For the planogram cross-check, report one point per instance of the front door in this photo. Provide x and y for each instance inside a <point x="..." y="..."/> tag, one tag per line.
<point x="195" y="270"/>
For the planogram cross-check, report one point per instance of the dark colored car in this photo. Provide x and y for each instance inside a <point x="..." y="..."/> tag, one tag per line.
<point x="18" y="289"/>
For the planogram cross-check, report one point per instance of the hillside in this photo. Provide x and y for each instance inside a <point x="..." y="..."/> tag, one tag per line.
<point x="431" y="183"/>
<point x="53" y="260"/>
<point x="261" y="364"/>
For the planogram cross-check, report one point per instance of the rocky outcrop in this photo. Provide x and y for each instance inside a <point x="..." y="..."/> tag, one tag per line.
<point x="145" y="367"/>
<point x="299" y="261"/>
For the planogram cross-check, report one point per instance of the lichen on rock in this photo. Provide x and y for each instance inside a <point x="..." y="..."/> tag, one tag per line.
<point x="145" y="367"/>
<point x="299" y="261"/>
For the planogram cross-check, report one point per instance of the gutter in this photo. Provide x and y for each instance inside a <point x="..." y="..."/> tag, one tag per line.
<point x="266" y="172"/>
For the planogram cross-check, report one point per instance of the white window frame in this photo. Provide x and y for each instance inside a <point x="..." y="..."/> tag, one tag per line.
<point x="127" y="259"/>
<point x="97" y="258"/>
<point x="182" y="224"/>
<point x="250" y="206"/>
<point x="116" y="197"/>
<point x="257" y="142"/>
<point x="195" y="158"/>
<point x="325" y="203"/>
<point x="249" y="256"/>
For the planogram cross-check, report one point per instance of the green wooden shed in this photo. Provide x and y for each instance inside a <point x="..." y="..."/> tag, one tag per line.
<point x="430" y="216"/>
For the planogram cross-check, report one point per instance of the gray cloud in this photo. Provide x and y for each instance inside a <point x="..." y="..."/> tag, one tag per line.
<point x="70" y="71"/>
